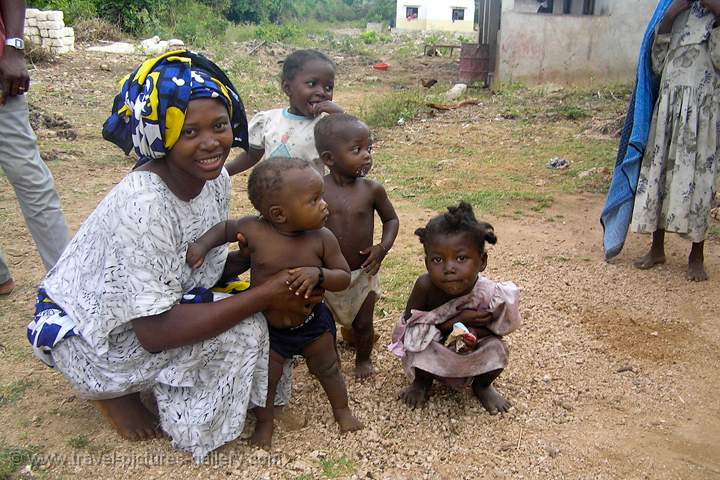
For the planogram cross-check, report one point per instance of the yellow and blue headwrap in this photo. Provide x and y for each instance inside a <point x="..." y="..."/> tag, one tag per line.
<point x="149" y="112"/>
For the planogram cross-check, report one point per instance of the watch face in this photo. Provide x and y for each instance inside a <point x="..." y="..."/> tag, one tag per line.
<point x="16" y="43"/>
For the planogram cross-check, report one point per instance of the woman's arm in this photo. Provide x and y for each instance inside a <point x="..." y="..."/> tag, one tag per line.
<point x="675" y="9"/>
<point x="186" y="324"/>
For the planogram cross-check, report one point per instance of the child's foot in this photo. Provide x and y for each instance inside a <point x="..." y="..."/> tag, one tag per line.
<point x="6" y="288"/>
<point x="696" y="271"/>
<point x="415" y="395"/>
<point x="347" y="421"/>
<point x="364" y="370"/>
<point x="130" y="417"/>
<point x="649" y="260"/>
<point x="262" y="436"/>
<point x="491" y="399"/>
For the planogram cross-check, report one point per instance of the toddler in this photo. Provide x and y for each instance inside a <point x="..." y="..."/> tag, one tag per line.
<point x="308" y="79"/>
<point x="289" y="235"/>
<point x="452" y="291"/>
<point x="345" y="148"/>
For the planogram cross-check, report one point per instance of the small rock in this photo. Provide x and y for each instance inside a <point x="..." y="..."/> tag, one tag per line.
<point x="105" y="67"/>
<point x="552" y="450"/>
<point x="654" y="334"/>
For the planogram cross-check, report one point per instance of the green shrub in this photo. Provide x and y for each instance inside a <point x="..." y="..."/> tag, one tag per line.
<point x="392" y="109"/>
<point x="195" y="23"/>
<point x="271" y="32"/>
<point x="72" y="9"/>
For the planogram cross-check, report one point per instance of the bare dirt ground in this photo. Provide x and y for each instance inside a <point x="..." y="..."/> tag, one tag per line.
<point x="613" y="375"/>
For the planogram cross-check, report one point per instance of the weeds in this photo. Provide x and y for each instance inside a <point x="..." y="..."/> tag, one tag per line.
<point x="78" y="442"/>
<point x="394" y="109"/>
<point x="94" y="29"/>
<point x="12" y="392"/>
<point x="13" y="458"/>
<point x="340" y="467"/>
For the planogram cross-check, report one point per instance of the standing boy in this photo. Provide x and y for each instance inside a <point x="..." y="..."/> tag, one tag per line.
<point x="345" y="147"/>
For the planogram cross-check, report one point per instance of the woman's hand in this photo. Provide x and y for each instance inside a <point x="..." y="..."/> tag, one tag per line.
<point x="278" y="293"/>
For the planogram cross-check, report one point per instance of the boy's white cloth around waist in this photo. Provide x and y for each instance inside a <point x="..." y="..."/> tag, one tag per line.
<point x="346" y="304"/>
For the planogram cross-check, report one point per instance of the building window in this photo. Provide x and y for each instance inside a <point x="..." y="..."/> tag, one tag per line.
<point x="458" y="14"/>
<point x="411" y="13"/>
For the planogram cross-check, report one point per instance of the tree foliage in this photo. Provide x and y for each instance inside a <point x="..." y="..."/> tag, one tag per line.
<point x="139" y="16"/>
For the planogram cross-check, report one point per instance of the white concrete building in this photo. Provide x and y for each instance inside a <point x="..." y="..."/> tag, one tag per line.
<point x="438" y="15"/>
<point x="575" y="41"/>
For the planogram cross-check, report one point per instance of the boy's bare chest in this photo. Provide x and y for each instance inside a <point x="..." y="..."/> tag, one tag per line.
<point x="276" y="252"/>
<point x="350" y="210"/>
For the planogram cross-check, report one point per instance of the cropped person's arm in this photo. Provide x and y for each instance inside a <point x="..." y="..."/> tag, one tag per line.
<point x="13" y="71"/>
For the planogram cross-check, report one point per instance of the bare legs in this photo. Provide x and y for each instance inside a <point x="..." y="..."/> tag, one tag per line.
<point x="324" y="364"/>
<point x="417" y="393"/>
<point x="656" y="255"/>
<point x="696" y="261"/>
<point x="364" y="336"/>
<point x="130" y="417"/>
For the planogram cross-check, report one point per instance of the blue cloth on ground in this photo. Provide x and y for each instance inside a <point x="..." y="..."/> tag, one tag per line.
<point x="617" y="213"/>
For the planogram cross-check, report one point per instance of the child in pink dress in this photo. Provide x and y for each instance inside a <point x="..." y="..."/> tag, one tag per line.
<point x="452" y="291"/>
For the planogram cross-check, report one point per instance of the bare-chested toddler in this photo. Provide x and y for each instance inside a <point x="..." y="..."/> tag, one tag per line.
<point x="345" y="147"/>
<point x="289" y="234"/>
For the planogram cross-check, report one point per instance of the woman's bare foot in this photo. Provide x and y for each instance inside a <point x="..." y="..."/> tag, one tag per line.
<point x="696" y="263"/>
<point x="491" y="399"/>
<point x="656" y="255"/>
<point x="416" y="394"/>
<point x="130" y="417"/>
<point x="347" y="421"/>
<point x="696" y="271"/>
<point x="649" y="260"/>
<point x="262" y="436"/>
<point x="6" y="288"/>
<point x="364" y="370"/>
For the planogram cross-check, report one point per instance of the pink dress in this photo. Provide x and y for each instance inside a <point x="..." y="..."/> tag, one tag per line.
<point x="417" y="341"/>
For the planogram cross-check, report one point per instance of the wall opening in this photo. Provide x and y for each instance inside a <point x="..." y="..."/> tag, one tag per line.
<point x="458" y="14"/>
<point x="411" y="13"/>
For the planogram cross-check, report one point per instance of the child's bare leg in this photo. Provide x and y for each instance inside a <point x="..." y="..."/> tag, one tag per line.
<point x="417" y="393"/>
<point x="364" y="333"/>
<point x="489" y="397"/>
<point x="324" y="364"/>
<point x="696" y="263"/>
<point x="130" y="417"/>
<point x="265" y="416"/>
<point x="656" y="255"/>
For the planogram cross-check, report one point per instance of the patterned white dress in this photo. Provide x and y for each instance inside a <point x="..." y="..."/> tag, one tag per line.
<point x="680" y="169"/>
<point x="128" y="261"/>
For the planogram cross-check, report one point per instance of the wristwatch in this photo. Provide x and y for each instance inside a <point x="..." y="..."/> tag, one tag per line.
<point x="16" y="43"/>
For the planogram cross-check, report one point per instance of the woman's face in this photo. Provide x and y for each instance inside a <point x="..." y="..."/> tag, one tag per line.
<point x="205" y="140"/>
